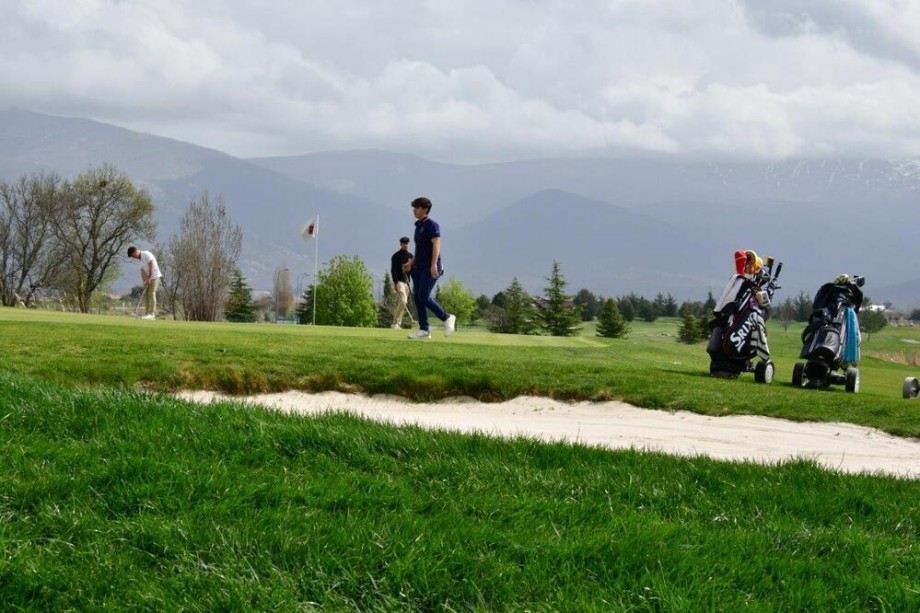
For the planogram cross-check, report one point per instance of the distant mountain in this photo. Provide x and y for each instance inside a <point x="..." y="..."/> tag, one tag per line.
<point x="821" y="217"/>
<point x="615" y="225"/>
<point x="269" y="207"/>
<point x="467" y="193"/>
<point x="603" y="247"/>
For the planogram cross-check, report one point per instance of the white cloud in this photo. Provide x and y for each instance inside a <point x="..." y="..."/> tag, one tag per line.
<point x="464" y="80"/>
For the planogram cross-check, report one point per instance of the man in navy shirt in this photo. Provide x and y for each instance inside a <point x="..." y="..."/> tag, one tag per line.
<point x="426" y="270"/>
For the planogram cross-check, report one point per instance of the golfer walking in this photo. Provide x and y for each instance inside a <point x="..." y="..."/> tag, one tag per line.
<point x="150" y="276"/>
<point x="399" y="265"/>
<point x="426" y="270"/>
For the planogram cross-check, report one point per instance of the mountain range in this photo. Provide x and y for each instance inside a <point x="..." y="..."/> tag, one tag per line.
<point x="644" y="225"/>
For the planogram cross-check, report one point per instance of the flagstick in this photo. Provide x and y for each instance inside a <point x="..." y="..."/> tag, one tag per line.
<point x="315" y="263"/>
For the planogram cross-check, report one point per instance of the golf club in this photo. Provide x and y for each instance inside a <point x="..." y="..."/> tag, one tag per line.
<point x="139" y="300"/>
<point x="406" y="304"/>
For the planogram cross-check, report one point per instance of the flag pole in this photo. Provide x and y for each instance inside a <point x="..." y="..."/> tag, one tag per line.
<point x="315" y="264"/>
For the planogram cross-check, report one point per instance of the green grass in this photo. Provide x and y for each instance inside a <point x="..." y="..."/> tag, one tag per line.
<point x="649" y="369"/>
<point x="118" y="496"/>
<point x="116" y="499"/>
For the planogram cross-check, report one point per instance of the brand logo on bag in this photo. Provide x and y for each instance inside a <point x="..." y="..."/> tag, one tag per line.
<point x="737" y="338"/>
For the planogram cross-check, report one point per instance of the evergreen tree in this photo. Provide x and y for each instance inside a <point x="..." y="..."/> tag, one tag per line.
<point x="558" y="314"/>
<point x="659" y="304"/>
<point x="305" y="309"/>
<point x="240" y="307"/>
<point x="709" y="305"/>
<point x="785" y="312"/>
<point x="690" y="330"/>
<point x="588" y="303"/>
<point x="516" y="315"/>
<point x="871" y="321"/>
<point x="670" y="306"/>
<point x="482" y="307"/>
<point x="803" y="306"/>
<point x="627" y="307"/>
<point x="646" y="310"/>
<point x="610" y="322"/>
<point x="386" y="308"/>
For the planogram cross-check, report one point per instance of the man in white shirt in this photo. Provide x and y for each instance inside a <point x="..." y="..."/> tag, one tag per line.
<point x="150" y="276"/>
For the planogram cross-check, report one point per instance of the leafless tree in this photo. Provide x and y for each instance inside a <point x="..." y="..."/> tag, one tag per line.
<point x="170" y="282"/>
<point x="99" y="215"/>
<point x="203" y="256"/>
<point x="282" y="293"/>
<point x="28" y="249"/>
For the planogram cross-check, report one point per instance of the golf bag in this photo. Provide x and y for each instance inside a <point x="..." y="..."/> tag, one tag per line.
<point x="830" y="341"/>
<point x="739" y="332"/>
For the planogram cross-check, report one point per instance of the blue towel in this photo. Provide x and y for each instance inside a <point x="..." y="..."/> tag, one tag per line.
<point x="851" y="351"/>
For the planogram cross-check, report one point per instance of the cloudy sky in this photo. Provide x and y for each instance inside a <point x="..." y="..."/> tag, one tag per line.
<point x="479" y="79"/>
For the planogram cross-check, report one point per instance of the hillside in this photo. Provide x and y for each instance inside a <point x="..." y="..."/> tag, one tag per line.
<point x="616" y="225"/>
<point x="269" y="207"/>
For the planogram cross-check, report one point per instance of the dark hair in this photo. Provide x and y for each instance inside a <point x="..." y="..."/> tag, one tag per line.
<point x="422" y="203"/>
<point x="404" y="240"/>
<point x="131" y="251"/>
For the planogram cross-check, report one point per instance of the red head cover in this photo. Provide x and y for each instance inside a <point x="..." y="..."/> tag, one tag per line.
<point x="740" y="261"/>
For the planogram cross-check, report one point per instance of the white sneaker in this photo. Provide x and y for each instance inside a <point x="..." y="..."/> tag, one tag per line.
<point x="396" y="326"/>
<point x="149" y="316"/>
<point x="421" y="334"/>
<point x="450" y="325"/>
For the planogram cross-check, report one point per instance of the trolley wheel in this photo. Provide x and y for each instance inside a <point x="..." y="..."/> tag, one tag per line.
<point x="911" y="387"/>
<point x="798" y="374"/>
<point x="852" y="380"/>
<point x="763" y="372"/>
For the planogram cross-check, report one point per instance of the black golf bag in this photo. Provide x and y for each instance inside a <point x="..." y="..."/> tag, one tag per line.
<point x="739" y="332"/>
<point x="830" y="341"/>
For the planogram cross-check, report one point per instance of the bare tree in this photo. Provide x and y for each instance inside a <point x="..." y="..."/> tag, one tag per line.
<point x="282" y="293"/>
<point x="203" y="256"/>
<point x="100" y="214"/>
<point x="169" y="283"/>
<point x="28" y="253"/>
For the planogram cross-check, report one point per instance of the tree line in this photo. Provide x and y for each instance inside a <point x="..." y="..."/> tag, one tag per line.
<point x="70" y="238"/>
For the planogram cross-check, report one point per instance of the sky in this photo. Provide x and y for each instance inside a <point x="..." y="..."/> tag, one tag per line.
<point x="480" y="80"/>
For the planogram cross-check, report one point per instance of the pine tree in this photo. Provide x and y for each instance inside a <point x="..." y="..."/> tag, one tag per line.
<point x="610" y="322"/>
<point x="690" y="330"/>
<point x="386" y="308"/>
<point x="305" y="309"/>
<point x="512" y="311"/>
<point x="239" y="305"/>
<point x="558" y="314"/>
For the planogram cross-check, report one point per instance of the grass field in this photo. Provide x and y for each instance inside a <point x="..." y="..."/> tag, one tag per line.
<point x="648" y="369"/>
<point x="116" y="496"/>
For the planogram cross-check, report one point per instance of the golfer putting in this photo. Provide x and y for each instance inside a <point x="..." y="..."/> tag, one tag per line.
<point x="150" y="276"/>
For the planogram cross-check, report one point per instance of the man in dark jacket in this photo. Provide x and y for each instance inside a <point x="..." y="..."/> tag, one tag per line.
<point x="399" y="272"/>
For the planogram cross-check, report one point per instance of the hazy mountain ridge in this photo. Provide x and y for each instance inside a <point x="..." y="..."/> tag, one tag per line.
<point x="615" y="225"/>
<point x="822" y="217"/>
<point x="270" y="207"/>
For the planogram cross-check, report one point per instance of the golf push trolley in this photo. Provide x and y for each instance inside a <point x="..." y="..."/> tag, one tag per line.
<point x="739" y="332"/>
<point x="830" y="341"/>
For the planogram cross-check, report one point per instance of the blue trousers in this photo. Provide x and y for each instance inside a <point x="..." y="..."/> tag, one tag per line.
<point x="423" y="286"/>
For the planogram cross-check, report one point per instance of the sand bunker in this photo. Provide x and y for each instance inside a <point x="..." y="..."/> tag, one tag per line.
<point x="617" y="425"/>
